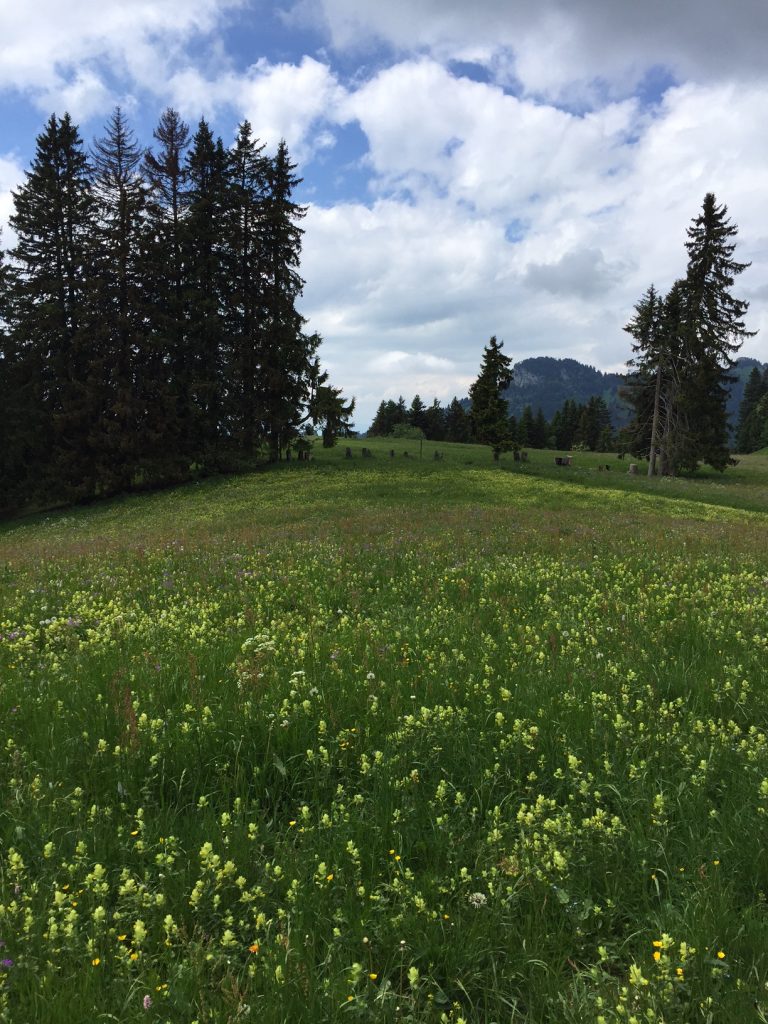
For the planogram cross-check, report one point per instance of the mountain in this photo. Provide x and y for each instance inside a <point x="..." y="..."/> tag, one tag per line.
<point x="544" y="382"/>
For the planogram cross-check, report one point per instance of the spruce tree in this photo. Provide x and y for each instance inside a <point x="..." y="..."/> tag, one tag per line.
<point x="649" y="367"/>
<point x="205" y="288"/>
<point x="490" y="412"/>
<point x="286" y="352"/>
<point x="416" y="413"/>
<point x="170" y="401"/>
<point x="457" y="425"/>
<point x="713" y="331"/>
<point x="434" y="422"/>
<point x="749" y="430"/>
<point x="243" y="300"/>
<point x="127" y="368"/>
<point x="48" y="348"/>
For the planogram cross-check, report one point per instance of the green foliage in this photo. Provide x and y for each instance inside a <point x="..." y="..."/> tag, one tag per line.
<point x="151" y="313"/>
<point x="489" y="414"/>
<point x="683" y="349"/>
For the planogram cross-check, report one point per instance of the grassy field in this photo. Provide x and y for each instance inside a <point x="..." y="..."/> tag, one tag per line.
<point x="389" y="739"/>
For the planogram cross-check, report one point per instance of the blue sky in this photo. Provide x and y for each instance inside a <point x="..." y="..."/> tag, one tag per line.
<point x="497" y="167"/>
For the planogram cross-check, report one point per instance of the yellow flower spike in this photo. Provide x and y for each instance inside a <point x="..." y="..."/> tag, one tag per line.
<point x="656" y="955"/>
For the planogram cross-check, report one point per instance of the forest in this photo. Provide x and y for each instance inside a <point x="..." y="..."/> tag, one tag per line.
<point x="148" y="324"/>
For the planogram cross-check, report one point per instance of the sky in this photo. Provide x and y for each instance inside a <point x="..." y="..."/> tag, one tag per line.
<point x="496" y="167"/>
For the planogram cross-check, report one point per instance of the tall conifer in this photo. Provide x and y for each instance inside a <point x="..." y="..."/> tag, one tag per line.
<point x="53" y="221"/>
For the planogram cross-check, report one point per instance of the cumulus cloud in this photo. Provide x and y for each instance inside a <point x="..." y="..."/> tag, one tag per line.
<point x="69" y="50"/>
<point x="583" y="273"/>
<point x="552" y="45"/>
<point x="604" y="200"/>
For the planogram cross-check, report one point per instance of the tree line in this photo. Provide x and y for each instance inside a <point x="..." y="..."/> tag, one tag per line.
<point x="576" y="425"/>
<point x="148" y="321"/>
<point x="752" y="429"/>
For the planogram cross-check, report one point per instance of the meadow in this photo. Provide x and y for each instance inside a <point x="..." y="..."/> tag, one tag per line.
<point x="389" y="740"/>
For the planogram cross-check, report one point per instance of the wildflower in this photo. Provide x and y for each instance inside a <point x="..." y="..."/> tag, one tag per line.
<point x="6" y="963"/>
<point x="96" y="961"/>
<point x="254" y="947"/>
<point x="656" y="955"/>
<point x="477" y="899"/>
<point x="720" y="955"/>
<point x="147" y="1002"/>
<point x="373" y="975"/>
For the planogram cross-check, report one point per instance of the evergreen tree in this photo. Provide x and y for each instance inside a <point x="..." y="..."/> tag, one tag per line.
<point x="286" y="352"/>
<point x="650" y="371"/>
<point x="416" y="413"/>
<point x="683" y="348"/>
<point x="125" y="364"/>
<point x="203" y="236"/>
<point x="327" y="407"/>
<point x="9" y="467"/>
<point x="525" y="428"/>
<point x="47" y="350"/>
<point x="540" y="430"/>
<point x="243" y="301"/>
<point x="490" y="413"/>
<point x="458" y="426"/>
<point x="434" y="422"/>
<point x="171" y="401"/>
<point x="713" y="331"/>
<point x="749" y="432"/>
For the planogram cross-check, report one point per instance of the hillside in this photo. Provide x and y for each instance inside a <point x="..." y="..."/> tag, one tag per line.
<point x="546" y="382"/>
<point x="389" y="740"/>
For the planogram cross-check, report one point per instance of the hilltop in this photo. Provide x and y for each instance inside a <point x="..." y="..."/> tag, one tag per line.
<point x="546" y="382"/>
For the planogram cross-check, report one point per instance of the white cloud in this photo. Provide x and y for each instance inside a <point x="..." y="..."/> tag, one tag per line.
<point x="295" y="102"/>
<point x="11" y="176"/>
<point x="604" y="199"/>
<point x="553" y="46"/>
<point x="60" y="50"/>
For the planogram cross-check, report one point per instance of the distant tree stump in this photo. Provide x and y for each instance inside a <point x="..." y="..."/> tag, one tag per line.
<point x="633" y="469"/>
<point x="348" y="453"/>
<point x="516" y="454"/>
<point x="569" y="460"/>
<point x="524" y="456"/>
<point x="405" y="455"/>
<point x="391" y="453"/>
<point x="558" y="460"/>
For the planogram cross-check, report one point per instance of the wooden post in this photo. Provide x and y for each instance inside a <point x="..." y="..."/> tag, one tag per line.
<point x="633" y="468"/>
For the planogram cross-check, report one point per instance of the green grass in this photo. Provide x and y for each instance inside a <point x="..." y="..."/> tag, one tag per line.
<point x="389" y="740"/>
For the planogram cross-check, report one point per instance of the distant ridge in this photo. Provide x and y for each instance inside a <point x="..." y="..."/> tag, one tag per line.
<point x="545" y="382"/>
